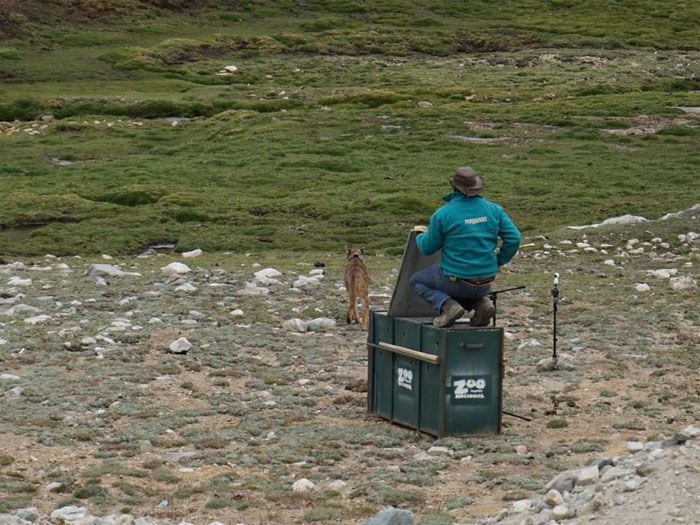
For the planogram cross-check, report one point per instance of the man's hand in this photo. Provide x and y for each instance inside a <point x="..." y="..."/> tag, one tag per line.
<point x="420" y="228"/>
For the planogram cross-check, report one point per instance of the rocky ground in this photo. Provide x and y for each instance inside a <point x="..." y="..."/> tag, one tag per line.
<point x="228" y="388"/>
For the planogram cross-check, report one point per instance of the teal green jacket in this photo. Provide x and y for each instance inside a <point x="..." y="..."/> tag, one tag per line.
<point x="467" y="230"/>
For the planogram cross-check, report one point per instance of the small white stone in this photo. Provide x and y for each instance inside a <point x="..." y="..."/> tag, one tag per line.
<point x="303" y="485"/>
<point x="192" y="254"/>
<point x="236" y="313"/>
<point x="321" y="323"/>
<point x="9" y="377"/>
<point x="15" y="392"/>
<point x="295" y="325"/>
<point x="186" y="287"/>
<point x="663" y="273"/>
<point x="545" y="365"/>
<point x="337" y="484"/>
<point x="562" y="512"/>
<point x="440" y="451"/>
<point x="692" y="431"/>
<point x="71" y="514"/>
<point x="529" y="342"/>
<point x="251" y="289"/>
<point x="682" y="283"/>
<point x="180" y="346"/>
<point x="269" y="273"/>
<point x="176" y="268"/>
<point x="39" y="319"/>
<point x="635" y="446"/>
<point x="587" y="476"/>
<point x="553" y="498"/>
<point x="613" y="473"/>
<point x="642" y="287"/>
<point x="522" y="505"/>
<point x="18" y="281"/>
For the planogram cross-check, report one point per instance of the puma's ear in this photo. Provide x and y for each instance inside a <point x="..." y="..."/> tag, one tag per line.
<point x="362" y="250"/>
<point x="349" y="251"/>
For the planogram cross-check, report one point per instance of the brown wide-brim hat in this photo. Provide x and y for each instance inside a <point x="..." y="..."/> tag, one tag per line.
<point x="465" y="180"/>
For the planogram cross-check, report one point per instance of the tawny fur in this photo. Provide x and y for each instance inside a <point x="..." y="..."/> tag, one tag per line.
<point x="357" y="285"/>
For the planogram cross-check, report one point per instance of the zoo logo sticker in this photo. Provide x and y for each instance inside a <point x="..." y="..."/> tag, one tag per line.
<point x="405" y="378"/>
<point x="471" y="389"/>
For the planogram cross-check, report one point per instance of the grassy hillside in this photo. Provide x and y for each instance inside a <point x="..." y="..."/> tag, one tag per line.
<point x="343" y="120"/>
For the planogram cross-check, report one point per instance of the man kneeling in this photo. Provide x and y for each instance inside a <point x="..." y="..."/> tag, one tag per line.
<point x="467" y="229"/>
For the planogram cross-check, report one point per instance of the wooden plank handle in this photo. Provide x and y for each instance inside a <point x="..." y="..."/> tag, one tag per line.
<point x="421" y="356"/>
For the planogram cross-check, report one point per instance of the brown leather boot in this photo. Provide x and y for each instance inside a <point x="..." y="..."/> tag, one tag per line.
<point x="483" y="312"/>
<point x="449" y="313"/>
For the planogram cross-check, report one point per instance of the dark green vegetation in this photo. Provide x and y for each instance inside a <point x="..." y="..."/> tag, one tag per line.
<point x="343" y="120"/>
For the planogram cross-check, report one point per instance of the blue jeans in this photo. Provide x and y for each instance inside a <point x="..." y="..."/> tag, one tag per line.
<point x="435" y="287"/>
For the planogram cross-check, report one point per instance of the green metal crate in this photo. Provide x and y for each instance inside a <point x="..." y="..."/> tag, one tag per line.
<point x="442" y="381"/>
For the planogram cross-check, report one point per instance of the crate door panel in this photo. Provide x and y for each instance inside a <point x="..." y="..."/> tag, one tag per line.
<point x="473" y="381"/>
<point x="406" y="390"/>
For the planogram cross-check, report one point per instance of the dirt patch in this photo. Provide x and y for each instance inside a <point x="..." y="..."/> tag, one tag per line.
<point x="648" y="125"/>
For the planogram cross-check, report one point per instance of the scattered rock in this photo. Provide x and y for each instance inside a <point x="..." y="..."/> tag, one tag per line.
<point x="690" y="213"/>
<point x="252" y="289"/>
<point x="15" y="392"/>
<point x="180" y="346"/>
<point x="38" y="319"/>
<point x="321" y="323"/>
<point x="192" y="254"/>
<point x="186" y="287"/>
<point x="612" y="473"/>
<point x="634" y="446"/>
<point x="622" y="219"/>
<point x="71" y="514"/>
<point x="642" y="287"/>
<point x="529" y="342"/>
<point x="562" y="512"/>
<point x="295" y="325"/>
<point x="440" y="451"/>
<point x="554" y="498"/>
<point x="304" y="282"/>
<point x="103" y="270"/>
<point x="303" y="485"/>
<point x="336" y="485"/>
<point x="268" y="273"/>
<point x="663" y="273"/>
<point x="545" y="365"/>
<point x="564" y="482"/>
<point x="392" y="516"/>
<point x="18" y="281"/>
<point x="682" y="283"/>
<point x="176" y="268"/>
<point x="587" y="476"/>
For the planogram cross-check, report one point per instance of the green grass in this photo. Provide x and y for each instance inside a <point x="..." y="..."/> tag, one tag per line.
<point x="318" y="140"/>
